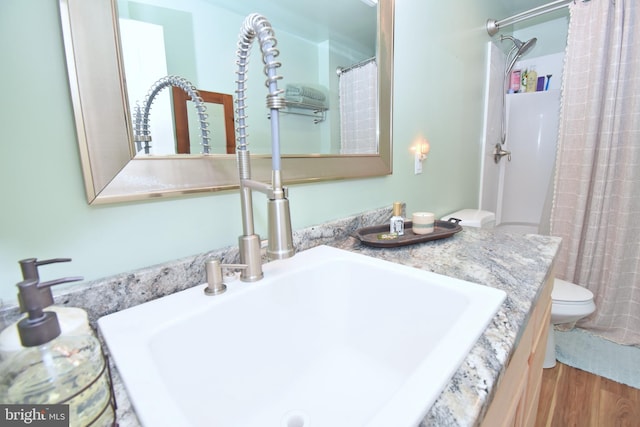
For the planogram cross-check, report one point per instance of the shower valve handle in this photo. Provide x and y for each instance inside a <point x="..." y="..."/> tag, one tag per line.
<point x="500" y="152"/>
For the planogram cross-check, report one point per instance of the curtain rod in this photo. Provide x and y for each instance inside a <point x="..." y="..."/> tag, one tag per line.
<point x="341" y="70"/>
<point x="494" y="26"/>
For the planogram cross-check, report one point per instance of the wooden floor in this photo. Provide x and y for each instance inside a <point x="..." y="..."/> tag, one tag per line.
<point x="570" y="397"/>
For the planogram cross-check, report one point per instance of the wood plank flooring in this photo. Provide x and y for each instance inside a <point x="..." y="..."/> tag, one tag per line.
<point x="570" y="397"/>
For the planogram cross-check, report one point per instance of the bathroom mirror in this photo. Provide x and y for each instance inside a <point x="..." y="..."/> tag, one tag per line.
<point x="113" y="173"/>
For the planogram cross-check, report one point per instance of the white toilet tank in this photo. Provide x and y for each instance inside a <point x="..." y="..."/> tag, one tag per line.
<point x="473" y="218"/>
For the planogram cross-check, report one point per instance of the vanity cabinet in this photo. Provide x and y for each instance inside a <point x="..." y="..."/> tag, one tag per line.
<point x="515" y="402"/>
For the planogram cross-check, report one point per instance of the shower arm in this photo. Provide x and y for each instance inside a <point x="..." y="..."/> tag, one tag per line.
<point x="519" y="48"/>
<point x="512" y="62"/>
<point x="503" y="126"/>
<point x="505" y="77"/>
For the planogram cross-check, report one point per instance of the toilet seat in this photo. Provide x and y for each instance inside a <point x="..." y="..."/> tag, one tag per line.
<point x="570" y="303"/>
<point x="569" y="293"/>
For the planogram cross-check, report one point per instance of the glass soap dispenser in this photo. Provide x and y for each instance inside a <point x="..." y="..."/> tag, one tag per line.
<point x="56" y="369"/>
<point x="72" y="320"/>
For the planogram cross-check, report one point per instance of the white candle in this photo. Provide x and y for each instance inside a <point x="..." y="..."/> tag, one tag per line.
<point x="423" y="222"/>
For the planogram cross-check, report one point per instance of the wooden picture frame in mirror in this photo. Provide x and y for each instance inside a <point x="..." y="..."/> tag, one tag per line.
<point x="180" y="107"/>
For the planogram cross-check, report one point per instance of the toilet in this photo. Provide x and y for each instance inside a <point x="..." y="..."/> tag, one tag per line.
<point x="569" y="302"/>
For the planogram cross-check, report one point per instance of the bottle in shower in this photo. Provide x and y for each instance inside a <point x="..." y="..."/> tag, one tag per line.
<point x="514" y="86"/>
<point x="532" y="80"/>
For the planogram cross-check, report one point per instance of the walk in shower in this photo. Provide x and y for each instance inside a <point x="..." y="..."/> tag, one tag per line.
<point x="518" y="188"/>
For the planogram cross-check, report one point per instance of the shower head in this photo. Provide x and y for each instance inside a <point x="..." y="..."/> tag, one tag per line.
<point x="524" y="48"/>
<point x="519" y="48"/>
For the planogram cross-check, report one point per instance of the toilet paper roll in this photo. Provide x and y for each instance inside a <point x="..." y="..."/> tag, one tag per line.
<point x="423" y="222"/>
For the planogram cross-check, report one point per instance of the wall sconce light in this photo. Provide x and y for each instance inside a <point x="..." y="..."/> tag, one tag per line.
<point x="421" y="149"/>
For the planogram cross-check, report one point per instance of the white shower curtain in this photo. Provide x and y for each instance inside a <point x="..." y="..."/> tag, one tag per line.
<point x="358" y="109"/>
<point x="596" y="206"/>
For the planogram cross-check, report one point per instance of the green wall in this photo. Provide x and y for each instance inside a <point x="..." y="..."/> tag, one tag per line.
<point x="439" y="83"/>
<point x="551" y="30"/>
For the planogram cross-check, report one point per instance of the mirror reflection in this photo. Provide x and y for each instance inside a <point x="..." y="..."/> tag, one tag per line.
<point x="329" y="69"/>
<point x="113" y="171"/>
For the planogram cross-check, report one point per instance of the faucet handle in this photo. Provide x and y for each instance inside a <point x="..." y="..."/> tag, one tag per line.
<point x="215" y="281"/>
<point x="499" y="153"/>
<point x="215" y="285"/>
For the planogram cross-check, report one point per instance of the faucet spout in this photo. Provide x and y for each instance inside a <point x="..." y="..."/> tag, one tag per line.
<point x="142" y="132"/>
<point x="280" y="241"/>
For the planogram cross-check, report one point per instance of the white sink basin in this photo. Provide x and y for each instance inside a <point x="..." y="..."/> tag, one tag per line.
<point x="327" y="338"/>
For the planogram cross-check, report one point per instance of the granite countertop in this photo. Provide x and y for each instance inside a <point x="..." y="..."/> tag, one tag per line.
<point x="517" y="264"/>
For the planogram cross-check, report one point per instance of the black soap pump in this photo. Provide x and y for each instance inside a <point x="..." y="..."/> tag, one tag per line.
<point x="55" y="369"/>
<point x="72" y="320"/>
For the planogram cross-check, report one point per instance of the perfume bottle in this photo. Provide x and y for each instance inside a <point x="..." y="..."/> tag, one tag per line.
<point x="397" y="221"/>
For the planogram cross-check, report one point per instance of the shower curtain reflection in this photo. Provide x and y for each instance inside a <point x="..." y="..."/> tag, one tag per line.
<point x="358" y="109"/>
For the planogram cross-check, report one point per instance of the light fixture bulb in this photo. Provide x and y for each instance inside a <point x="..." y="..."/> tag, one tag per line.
<point x="424" y="147"/>
<point x="421" y="148"/>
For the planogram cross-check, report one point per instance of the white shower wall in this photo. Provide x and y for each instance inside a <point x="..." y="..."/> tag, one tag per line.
<point x="532" y="133"/>
<point x="519" y="191"/>
<point x="490" y="176"/>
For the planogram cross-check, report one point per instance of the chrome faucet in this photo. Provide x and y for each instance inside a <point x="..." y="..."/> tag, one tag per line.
<point x="141" y="130"/>
<point x="499" y="153"/>
<point x="280" y="241"/>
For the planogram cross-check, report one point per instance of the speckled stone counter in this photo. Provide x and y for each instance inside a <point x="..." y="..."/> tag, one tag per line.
<point x="516" y="264"/>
